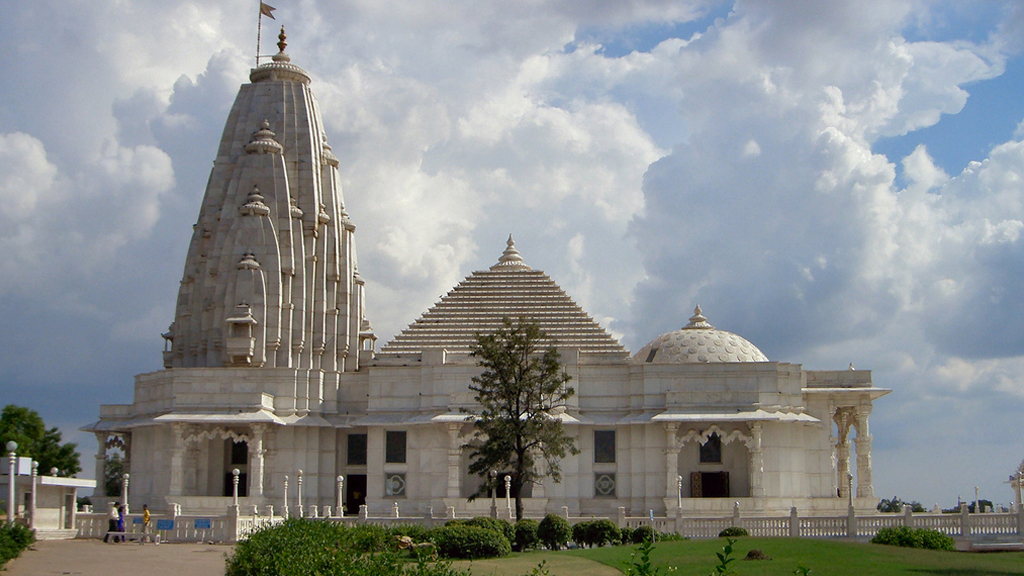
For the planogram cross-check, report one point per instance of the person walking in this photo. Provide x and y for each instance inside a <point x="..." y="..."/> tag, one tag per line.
<point x="145" y="524"/>
<point x="120" y="521"/>
<point x="112" y="517"/>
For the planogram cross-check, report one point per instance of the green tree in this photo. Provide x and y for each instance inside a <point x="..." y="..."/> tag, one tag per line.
<point x="35" y="441"/>
<point x="113" y="472"/>
<point x="519" y="391"/>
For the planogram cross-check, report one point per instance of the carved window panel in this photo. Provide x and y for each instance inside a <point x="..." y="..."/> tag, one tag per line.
<point x="604" y="485"/>
<point x="394" y="485"/>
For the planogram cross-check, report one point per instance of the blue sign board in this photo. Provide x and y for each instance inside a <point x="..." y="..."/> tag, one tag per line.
<point x="203" y="524"/>
<point x="165" y="524"/>
<point x="137" y="520"/>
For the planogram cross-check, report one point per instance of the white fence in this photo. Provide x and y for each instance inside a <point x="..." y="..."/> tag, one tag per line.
<point x="234" y="527"/>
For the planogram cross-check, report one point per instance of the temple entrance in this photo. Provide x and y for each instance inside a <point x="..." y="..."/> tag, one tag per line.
<point x="709" y="485"/>
<point x="355" y="493"/>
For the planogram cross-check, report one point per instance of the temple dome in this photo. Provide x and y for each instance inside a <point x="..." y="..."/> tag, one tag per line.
<point x="699" y="342"/>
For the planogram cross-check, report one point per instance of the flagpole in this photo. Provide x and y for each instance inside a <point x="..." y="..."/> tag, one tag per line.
<point x="259" y="32"/>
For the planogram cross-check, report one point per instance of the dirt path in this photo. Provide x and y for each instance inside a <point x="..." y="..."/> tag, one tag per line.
<point x="94" y="558"/>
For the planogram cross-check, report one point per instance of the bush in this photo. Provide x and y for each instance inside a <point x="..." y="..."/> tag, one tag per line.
<point x="554" y="531"/>
<point x="935" y="540"/>
<point x="14" y="538"/>
<point x="733" y="532"/>
<point x="300" y="547"/>
<point x="526" y="535"/>
<point x="502" y="527"/>
<point x="913" y="538"/>
<point x="625" y="535"/>
<point x="595" y="533"/>
<point x="642" y="534"/>
<point x="469" y="542"/>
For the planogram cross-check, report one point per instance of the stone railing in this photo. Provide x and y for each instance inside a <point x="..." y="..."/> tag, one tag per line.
<point x="233" y="527"/>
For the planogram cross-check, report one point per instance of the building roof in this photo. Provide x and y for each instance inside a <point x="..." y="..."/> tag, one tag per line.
<point x="510" y="289"/>
<point x="699" y="342"/>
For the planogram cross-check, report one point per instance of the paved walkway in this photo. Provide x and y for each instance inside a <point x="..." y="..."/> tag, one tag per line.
<point x="94" y="558"/>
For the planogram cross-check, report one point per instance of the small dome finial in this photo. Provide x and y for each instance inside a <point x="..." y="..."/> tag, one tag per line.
<point x="698" y="320"/>
<point x="281" y="44"/>
<point x="510" y="258"/>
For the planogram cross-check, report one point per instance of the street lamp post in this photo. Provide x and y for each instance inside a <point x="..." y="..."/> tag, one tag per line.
<point x="508" y="495"/>
<point x="234" y="488"/>
<point x="12" y="506"/>
<point x="284" y="509"/>
<point x="298" y="499"/>
<point x="494" y="494"/>
<point x="849" y="490"/>
<point x="124" y="493"/>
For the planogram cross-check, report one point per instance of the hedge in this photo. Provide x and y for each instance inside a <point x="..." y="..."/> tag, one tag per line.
<point x="913" y="538"/>
<point x="469" y="542"/>
<point x="595" y="533"/>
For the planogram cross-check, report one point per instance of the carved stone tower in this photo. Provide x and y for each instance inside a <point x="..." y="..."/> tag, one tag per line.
<point x="270" y="278"/>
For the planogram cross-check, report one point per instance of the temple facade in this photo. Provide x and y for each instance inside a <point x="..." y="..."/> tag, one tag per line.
<point x="271" y="369"/>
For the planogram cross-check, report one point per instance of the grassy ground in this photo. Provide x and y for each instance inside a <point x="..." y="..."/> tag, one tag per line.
<point x="823" y="557"/>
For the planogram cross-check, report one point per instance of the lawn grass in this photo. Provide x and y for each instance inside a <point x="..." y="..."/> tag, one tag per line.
<point x="823" y="557"/>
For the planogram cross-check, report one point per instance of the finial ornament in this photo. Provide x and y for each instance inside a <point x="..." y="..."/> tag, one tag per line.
<point x="281" y="44"/>
<point x="698" y="320"/>
<point x="510" y="258"/>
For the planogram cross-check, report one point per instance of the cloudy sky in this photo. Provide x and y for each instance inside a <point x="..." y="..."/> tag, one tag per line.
<point x="838" y="182"/>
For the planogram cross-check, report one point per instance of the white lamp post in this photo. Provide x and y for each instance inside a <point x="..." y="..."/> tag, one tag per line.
<point x="298" y="500"/>
<point x="12" y="506"/>
<point x="679" y="492"/>
<point x="124" y="492"/>
<point x="234" y="487"/>
<point x="32" y="501"/>
<point x="284" y="509"/>
<point x="494" y="494"/>
<point x="508" y="495"/>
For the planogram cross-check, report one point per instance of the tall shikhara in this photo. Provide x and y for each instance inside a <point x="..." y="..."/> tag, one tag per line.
<point x="270" y="278"/>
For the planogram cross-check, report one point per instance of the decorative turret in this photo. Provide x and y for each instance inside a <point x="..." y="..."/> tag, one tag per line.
<point x="273" y="234"/>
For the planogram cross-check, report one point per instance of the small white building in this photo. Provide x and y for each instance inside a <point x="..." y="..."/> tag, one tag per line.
<point x="271" y="368"/>
<point x="50" y="508"/>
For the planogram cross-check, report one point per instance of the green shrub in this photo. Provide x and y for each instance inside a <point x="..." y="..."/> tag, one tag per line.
<point x="502" y="527"/>
<point x="642" y="534"/>
<point x="418" y="532"/>
<point x="935" y="540"/>
<point x="913" y="538"/>
<point x="595" y="533"/>
<point x="14" y="538"/>
<point x="300" y="547"/>
<point x="554" y="531"/>
<point x="625" y="535"/>
<point x="526" y="534"/>
<point x="733" y="532"/>
<point x="604" y="532"/>
<point x="469" y="542"/>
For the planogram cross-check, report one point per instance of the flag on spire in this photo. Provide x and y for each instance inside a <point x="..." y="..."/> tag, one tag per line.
<point x="266" y="10"/>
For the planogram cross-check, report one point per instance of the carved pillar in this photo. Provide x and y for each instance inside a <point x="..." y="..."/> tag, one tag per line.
<point x="842" y="421"/>
<point x="756" y="461"/>
<point x="101" y="464"/>
<point x="672" y="446"/>
<point x="454" y="457"/>
<point x="257" y="455"/>
<point x="177" y="460"/>
<point x="864" y="483"/>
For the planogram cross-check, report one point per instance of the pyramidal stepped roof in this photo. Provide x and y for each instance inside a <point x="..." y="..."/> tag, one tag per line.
<point x="510" y="289"/>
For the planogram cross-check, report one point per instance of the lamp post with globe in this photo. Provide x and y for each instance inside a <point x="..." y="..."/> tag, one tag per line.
<point x="12" y="507"/>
